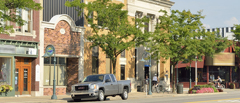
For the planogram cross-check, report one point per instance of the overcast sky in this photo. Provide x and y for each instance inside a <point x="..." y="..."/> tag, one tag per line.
<point x="218" y="13"/>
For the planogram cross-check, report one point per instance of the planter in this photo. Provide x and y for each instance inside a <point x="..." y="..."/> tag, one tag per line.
<point x="232" y="86"/>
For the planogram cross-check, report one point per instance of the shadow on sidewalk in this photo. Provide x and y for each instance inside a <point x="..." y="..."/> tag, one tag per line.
<point x="84" y="100"/>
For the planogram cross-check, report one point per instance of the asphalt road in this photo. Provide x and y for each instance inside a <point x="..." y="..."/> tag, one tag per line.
<point x="230" y="97"/>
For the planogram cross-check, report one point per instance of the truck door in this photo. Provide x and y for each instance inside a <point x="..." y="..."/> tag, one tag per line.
<point x="108" y="85"/>
<point x="114" y="84"/>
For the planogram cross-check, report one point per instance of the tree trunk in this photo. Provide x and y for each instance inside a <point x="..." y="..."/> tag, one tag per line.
<point x="114" y="66"/>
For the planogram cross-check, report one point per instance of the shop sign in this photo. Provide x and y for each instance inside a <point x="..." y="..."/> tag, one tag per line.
<point x="26" y="50"/>
<point x="32" y="51"/>
<point x="221" y="59"/>
<point x="7" y="49"/>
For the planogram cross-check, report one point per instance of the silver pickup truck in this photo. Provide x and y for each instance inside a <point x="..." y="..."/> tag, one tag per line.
<point x="99" y="87"/>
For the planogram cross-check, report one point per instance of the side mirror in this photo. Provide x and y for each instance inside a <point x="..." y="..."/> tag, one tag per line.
<point x="107" y="80"/>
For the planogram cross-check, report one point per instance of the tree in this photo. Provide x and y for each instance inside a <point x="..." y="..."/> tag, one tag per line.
<point x="122" y="33"/>
<point x="236" y="39"/>
<point x="8" y="12"/>
<point x="181" y="36"/>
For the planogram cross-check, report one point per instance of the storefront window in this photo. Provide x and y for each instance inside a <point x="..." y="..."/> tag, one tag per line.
<point x="235" y="72"/>
<point x="60" y="71"/>
<point x="5" y="70"/>
<point x="222" y="71"/>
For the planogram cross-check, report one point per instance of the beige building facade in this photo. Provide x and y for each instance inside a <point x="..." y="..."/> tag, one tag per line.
<point x="139" y="9"/>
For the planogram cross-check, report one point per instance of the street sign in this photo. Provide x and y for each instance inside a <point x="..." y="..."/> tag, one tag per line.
<point x="49" y="50"/>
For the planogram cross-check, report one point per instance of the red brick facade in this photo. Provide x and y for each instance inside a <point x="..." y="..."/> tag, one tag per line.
<point x="72" y="72"/>
<point x="65" y="44"/>
<point x="59" y="91"/>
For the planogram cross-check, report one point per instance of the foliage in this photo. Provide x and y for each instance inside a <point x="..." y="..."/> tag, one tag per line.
<point x="207" y="88"/>
<point x="8" y="12"/>
<point x="181" y="37"/>
<point x="5" y="88"/>
<point x="236" y="39"/>
<point x="122" y="33"/>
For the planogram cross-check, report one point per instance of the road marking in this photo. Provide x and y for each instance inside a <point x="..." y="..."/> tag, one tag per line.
<point x="219" y="100"/>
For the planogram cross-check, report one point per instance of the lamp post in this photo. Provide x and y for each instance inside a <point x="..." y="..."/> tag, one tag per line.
<point x="196" y="79"/>
<point x="150" y="84"/>
<point x="49" y="52"/>
<point x="190" y="80"/>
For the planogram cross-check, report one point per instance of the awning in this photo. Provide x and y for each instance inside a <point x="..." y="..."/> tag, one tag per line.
<point x="200" y="64"/>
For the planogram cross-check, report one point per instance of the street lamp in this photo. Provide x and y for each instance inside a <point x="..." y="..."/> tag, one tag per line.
<point x="48" y="53"/>
<point x="150" y="87"/>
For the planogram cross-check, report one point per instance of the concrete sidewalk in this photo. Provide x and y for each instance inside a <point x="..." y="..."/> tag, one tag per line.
<point x="67" y="98"/>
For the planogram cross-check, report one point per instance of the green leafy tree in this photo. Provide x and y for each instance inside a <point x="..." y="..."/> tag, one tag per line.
<point x="181" y="37"/>
<point x="236" y="39"/>
<point x="122" y="33"/>
<point x="8" y="12"/>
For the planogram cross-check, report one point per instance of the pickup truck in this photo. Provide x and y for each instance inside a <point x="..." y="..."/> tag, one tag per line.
<point x="99" y="87"/>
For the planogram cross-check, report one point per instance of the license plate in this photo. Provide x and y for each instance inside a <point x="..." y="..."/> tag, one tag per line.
<point x="81" y="87"/>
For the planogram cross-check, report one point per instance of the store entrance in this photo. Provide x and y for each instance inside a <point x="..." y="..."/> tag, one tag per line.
<point x="23" y="76"/>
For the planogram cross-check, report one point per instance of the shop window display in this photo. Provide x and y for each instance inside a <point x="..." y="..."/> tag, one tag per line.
<point x="5" y="71"/>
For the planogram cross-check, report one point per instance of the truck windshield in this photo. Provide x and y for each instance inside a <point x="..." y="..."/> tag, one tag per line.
<point x="94" y="78"/>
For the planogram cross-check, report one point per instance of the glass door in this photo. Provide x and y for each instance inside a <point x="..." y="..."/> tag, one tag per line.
<point x="16" y="78"/>
<point x="25" y="80"/>
<point x="22" y="80"/>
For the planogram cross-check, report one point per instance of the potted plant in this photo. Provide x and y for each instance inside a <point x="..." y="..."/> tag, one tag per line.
<point x="232" y="86"/>
<point x="5" y="88"/>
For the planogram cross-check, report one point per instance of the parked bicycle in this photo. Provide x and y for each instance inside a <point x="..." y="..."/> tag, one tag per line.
<point x="155" y="88"/>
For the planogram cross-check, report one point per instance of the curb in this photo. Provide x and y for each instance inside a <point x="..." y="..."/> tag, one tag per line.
<point x="175" y="95"/>
<point x="199" y="94"/>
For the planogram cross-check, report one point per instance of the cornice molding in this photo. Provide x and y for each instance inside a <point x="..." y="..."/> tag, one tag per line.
<point x="160" y="2"/>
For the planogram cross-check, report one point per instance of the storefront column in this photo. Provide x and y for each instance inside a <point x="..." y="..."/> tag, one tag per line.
<point x="207" y="74"/>
<point x="230" y="74"/>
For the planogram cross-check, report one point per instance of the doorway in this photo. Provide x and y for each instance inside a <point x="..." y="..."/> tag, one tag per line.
<point x="146" y="72"/>
<point x="23" y="76"/>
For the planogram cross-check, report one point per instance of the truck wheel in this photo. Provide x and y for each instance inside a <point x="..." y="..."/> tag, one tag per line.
<point x="76" y="100"/>
<point x="124" y="95"/>
<point x="100" y="95"/>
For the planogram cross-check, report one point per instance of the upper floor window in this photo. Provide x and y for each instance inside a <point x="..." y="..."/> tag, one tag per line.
<point x="123" y="54"/>
<point x="26" y="15"/>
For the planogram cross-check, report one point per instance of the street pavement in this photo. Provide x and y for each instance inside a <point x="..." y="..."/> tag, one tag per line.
<point x="228" y="96"/>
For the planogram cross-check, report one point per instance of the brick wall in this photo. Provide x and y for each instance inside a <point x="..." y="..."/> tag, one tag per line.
<point x="59" y="91"/>
<point x="72" y="72"/>
<point x="65" y="44"/>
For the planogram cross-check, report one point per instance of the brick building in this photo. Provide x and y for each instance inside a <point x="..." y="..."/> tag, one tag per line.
<point x="19" y="55"/>
<point x="67" y="38"/>
<point x="224" y="64"/>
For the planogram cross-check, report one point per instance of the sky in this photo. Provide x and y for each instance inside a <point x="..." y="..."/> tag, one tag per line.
<point x="218" y="13"/>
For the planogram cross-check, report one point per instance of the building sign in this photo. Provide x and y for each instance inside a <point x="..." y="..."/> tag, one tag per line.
<point x="49" y="50"/>
<point x="221" y="59"/>
<point x="32" y="51"/>
<point x="11" y="49"/>
<point x="26" y="50"/>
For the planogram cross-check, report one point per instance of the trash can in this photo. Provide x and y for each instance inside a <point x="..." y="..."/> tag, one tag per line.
<point x="139" y="89"/>
<point x="180" y="88"/>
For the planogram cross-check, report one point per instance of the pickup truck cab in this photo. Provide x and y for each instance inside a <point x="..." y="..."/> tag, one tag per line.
<point x="99" y="87"/>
